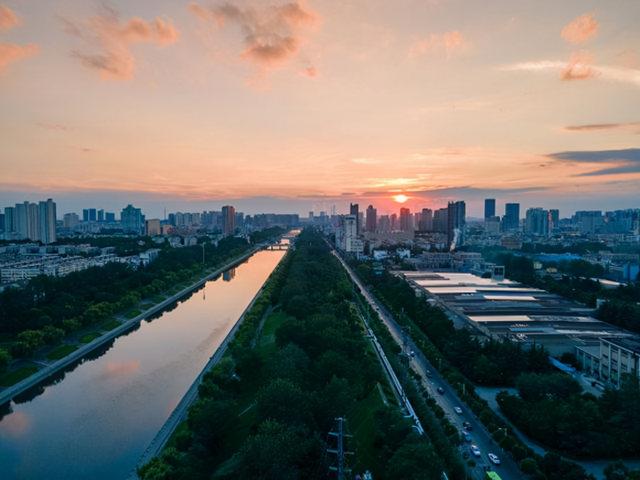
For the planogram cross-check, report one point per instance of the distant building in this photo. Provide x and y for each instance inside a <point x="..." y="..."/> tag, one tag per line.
<point x="47" y="221"/>
<point x="456" y="219"/>
<point x="70" y="220"/>
<point x="405" y="220"/>
<point x="537" y="222"/>
<point x="32" y="221"/>
<point x="440" y="220"/>
<point x="511" y="219"/>
<point x="489" y="208"/>
<point x="109" y="217"/>
<point x="132" y="220"/>
<point x="354" y="210"/>
<point x="425" y="223"/>
<point x="372" y="219"/>
<point x="152" y="227"/>
<point x="101" y="215"/>
<point x="228" y="220"/>
<point x="590" y="221"/>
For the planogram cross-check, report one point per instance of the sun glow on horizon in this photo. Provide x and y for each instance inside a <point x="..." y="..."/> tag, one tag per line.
<point x="400" y="198"/>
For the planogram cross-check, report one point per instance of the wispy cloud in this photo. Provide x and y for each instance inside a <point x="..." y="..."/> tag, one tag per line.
<point x="12" y="52"/>
<point x="622" y="161"/>
<point x="112" y="40"/>
<point x="578" y="70"/>
<point x="8" y="18"/>
<point x="449" y="43"/>
<point x="633" y="126"/>
<point x="272" y="34"/>
<point x="580" y="29"/>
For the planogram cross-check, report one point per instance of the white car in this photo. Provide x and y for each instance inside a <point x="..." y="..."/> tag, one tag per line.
<point x="494" y="458"/>
<point x="475" y="450"/>
<point x="458" y="410"/>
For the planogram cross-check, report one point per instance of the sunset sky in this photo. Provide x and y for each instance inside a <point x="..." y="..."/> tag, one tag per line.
<point x="280" y="106"/>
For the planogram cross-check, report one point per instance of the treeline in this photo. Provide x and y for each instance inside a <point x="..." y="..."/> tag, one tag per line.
<point x="622" y="306"/>
<point x="455" y="352"/>
<point x="552" y="409"/>
<point x="48" y="308"/>
<point x="265" y="411"/>
<point x="266" y="234"/>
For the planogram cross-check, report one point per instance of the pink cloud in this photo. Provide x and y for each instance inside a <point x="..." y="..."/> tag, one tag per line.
<point x="8" y="19"/>
<point x="448" y="42"/>
<point x="113" y="40"/>
<point x="310" y="72"/>
<point x="580" y="29"/>
<point x="580" y="67"/>
<point x="273" y="34"/>
<point x="11" y="52"/>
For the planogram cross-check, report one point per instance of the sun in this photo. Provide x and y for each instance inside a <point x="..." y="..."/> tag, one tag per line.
<point x="400" y="198"/>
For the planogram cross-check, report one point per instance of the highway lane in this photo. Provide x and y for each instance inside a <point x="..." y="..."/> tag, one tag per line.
<point x="431" y="379"/>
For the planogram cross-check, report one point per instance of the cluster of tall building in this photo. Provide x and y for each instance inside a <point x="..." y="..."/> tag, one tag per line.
<point x="30" y="221"/>
<point x="357" y="226"/>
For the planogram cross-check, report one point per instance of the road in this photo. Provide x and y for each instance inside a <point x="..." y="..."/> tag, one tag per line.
<point x="449" y="400"/>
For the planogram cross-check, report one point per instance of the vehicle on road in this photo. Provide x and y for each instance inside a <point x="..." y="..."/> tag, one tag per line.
<point x="440" y="390"/>
<point x="475" y="450"/>
<point x="467" y="437"/>
<point x="494" y="458"/>
<point x="467" y="426"/>
<point x="412" y="354"/>
<point x="458" y="410"/>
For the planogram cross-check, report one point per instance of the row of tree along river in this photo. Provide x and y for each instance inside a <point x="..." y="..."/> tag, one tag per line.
<point x="96" y="419"/>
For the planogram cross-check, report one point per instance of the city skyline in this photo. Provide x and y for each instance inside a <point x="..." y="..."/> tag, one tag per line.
<point x="156" y="102"/>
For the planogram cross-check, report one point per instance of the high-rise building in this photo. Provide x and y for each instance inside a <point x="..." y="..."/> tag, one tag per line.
<point x="47" y="221"/>
<point x="425" y="223"/>
<point x="101" y="215"/>
<point x="132" y="220"/>
<point x="384" y="224"/>
<point x="33" y="222"/>
<point x="347" y="237"/>
<point x="589" y="221"/>
<point x="372" y="219"/>
<point x="440" y="220"/>
<point x="109" y="217"/>
<point x="537" y="222"/>
<point x="152" y="227"/>
<point x="554" y="219"/>
<point x="9" y="222"/>
<point x="489" y="207"/>
<point x="511" y="219"/>
<point x="456" y="219"/>
<point x="70" y="220"/>
<point x="405" y="220"/>
<point x="228" y="220"/>
<point x="354" y="210"/>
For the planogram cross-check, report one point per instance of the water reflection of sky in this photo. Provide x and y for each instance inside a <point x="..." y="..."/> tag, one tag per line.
<point x="98" y="420"/>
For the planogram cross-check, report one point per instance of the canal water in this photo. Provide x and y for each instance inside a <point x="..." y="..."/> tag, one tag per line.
<point x="98" y="419"/>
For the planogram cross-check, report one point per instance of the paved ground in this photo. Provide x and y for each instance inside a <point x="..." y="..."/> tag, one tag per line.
<point x="508" y="470"/>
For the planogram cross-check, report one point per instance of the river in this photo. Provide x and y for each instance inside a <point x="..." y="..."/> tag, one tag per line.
<point x="98" y="419"/>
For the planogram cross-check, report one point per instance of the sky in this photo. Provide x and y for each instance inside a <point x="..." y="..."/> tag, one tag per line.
<point x="291" y="106"/>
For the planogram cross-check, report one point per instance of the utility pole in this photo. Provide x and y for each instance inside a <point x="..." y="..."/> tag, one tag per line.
<point x="340" y="466"/>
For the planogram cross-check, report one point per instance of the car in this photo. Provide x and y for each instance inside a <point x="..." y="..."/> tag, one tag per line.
<point x="494" y="458"/>
<point x="412" y="354"/>
<point x="467" y="437"/>
<point x="458" y="410"/>
<point x="467" y="426"/>
<point x="440" y="390"/>
<point x="475" y="450"/>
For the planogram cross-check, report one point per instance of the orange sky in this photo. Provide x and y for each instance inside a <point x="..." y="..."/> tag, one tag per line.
<point x="321" y="102"/>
